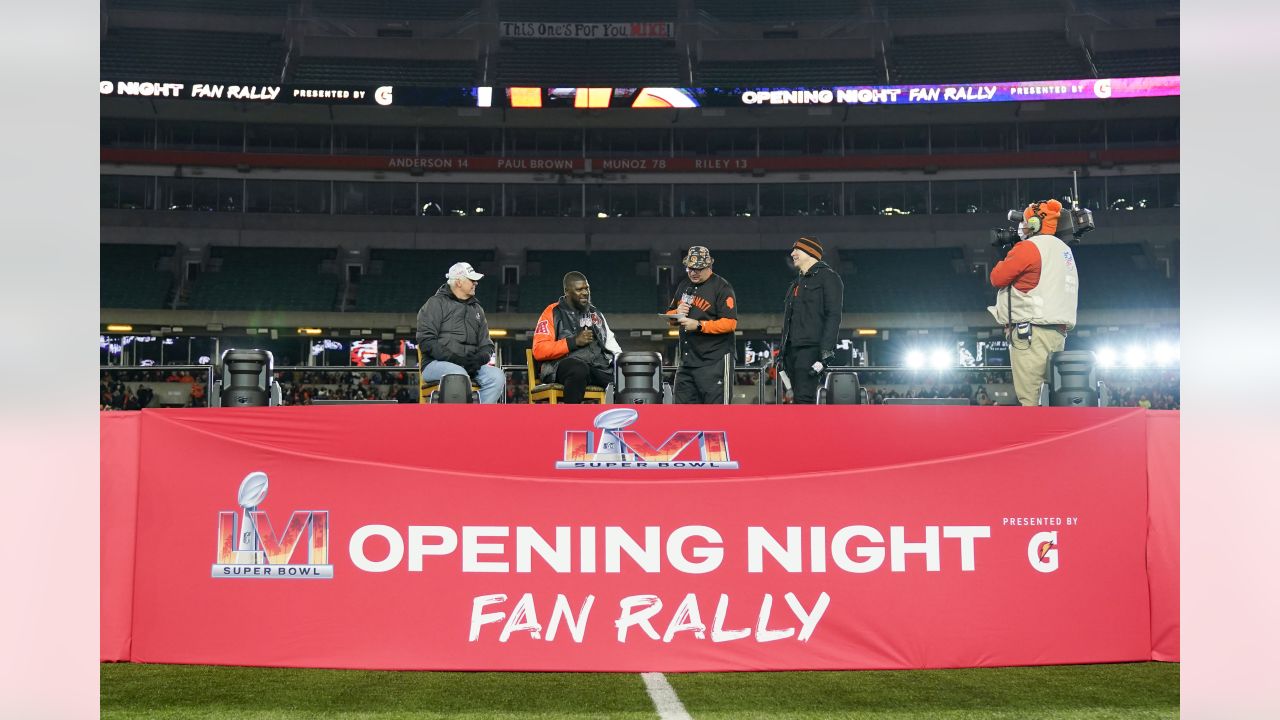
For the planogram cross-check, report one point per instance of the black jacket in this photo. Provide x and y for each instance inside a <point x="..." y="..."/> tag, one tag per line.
<point x="553" y="338"/>
<point x="811" y="314"/>
<point x="449" y="328"/>
<point x="713" y="300"/>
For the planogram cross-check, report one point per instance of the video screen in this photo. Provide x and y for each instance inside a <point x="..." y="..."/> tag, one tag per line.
<point x="365" y="353"/>
<point x="991" y="352"/>
<point x="374" y="353"/>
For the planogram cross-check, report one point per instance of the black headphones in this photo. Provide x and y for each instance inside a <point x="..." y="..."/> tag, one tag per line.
<point x="1036" y="220"/>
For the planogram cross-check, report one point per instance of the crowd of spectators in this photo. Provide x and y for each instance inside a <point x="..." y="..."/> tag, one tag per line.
<point x="1153" y="392"/>
<point x="115" y="395"/>
<point x="306" y="386"/>
<point x="976" y="395"/>
<point x="1149" y="391"/>
<point x="133" y="389"/>
<point x="128" y="389"/>
<point x="157" y="375"/>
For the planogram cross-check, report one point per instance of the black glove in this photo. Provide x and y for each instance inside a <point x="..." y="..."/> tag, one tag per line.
<point x="433" y="351"/>
<point x="475" y="360"/>
<point x="816" y="369"/>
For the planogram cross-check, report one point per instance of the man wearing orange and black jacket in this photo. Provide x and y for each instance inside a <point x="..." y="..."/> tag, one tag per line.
<point x="573" y="341"/>
<point x="706" y="311"/>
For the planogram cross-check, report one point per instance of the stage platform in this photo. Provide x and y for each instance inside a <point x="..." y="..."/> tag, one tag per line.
<point x="639" y="538"/>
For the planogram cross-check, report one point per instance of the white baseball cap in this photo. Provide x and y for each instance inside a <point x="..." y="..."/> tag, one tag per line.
<point x="462" y="270"/>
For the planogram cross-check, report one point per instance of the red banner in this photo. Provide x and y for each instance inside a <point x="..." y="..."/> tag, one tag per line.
<point x="1163" y="545"/>
<point x="119" y="499"/>
<point x="637" y="539"/>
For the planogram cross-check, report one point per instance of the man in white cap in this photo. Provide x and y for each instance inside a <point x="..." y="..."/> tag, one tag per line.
<point x="454" y="334"/>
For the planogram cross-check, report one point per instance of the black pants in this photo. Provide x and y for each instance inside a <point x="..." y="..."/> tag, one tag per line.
<point x="704" y="385"/>
<point x="575" y="375"/>
<point x="799" y="366"/>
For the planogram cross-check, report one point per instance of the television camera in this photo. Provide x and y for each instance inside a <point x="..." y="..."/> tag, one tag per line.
<point x="1074" y="220"/>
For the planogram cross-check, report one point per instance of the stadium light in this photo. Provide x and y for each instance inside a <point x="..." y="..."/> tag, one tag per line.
<point x="940" y="359"/>
<point x="915" y="359"/>
<point x="497" y="333"/>
<point x="1167" y="354"/>
<point x="119" y="328"/>
<point x="1135" y="357"/>
<point x="1106" y="357"/>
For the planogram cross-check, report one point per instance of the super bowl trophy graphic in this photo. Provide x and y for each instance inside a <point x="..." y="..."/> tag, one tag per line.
<point x="253" y="490"/>
<point x="611" y="447"/>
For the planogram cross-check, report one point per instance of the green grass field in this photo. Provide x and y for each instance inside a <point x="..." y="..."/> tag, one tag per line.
<point x="189" y="692"/>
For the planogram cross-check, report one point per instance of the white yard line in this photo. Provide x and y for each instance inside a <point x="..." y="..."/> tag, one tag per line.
<point x="664" y="697"/>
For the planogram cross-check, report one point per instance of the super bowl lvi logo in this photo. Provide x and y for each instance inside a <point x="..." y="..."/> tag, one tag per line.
<point x="249" y="547"/>
<point x="623" y="449"/>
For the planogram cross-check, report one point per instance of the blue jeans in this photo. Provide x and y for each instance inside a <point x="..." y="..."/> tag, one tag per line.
<point x="492" y="381"/>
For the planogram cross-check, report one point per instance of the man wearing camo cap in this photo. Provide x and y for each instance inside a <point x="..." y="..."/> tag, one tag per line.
<point x="706" y="311"/>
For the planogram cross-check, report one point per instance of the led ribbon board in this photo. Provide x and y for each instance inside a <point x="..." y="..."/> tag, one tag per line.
<point x="597" y="98"/>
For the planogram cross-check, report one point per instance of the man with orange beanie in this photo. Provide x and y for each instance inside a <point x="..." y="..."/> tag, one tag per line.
<point x="1036" y="302"/>
<point x="810" y="319"/>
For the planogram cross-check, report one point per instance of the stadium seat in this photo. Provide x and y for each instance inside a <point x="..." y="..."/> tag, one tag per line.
<point x="587" y="11"/>
<point x="990" y="57"/>
<point x="400" y="281"/>
<point x="202" y="56"/>
<point x="553" y="393"/>
<point x="427" y="388"/>
<point x="798" y="73"/>
<point x="771" y="11"/>
<point x="1138" y="63"/>
<point x="759" y="277"/>
<point x="916" y="280"/>
<point x="266" y="279"/>
<point x="898" y="9"/>
<point x="373" y="71"/>
<point x="392" y="10"/>
<point x="129" y="277"/>
<point x="601" y="63"/>
<point x="273" y="8"/>
<point x="1121" y="276"/>
<point x="841" y="387"/>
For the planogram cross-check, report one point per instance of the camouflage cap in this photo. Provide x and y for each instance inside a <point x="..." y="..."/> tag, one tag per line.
<point x="698" y="258"/>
